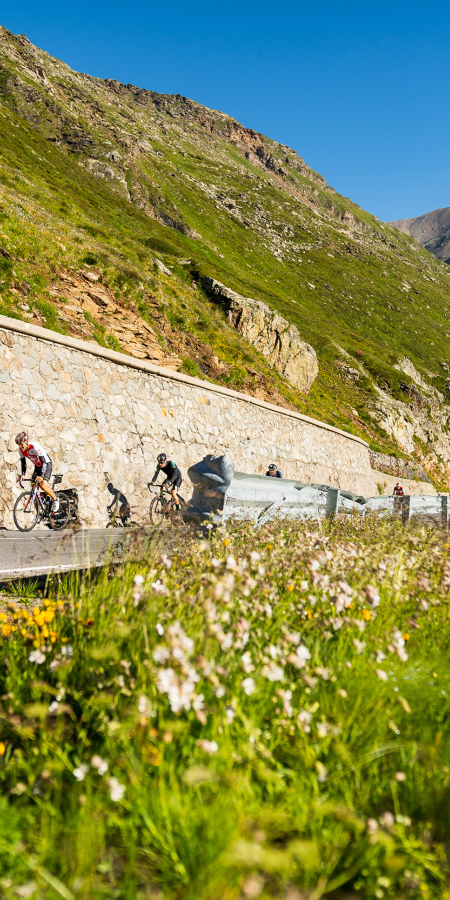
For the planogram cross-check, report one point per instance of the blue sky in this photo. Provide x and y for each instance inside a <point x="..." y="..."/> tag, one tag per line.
<point x="359" y="90"/>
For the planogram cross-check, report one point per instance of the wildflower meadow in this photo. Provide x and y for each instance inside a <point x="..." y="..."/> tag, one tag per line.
<point x="256" y="715"/>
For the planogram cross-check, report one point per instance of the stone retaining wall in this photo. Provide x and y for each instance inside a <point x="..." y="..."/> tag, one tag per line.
<point x="104" y="416"/>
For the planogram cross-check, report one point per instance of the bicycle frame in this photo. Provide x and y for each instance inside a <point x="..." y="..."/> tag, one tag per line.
<point x="36" y="497"/>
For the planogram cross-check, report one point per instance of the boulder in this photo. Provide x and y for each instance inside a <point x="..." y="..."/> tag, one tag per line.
<point x="274" y="336"/>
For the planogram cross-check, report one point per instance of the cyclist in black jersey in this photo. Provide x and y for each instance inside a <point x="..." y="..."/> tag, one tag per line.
<point x="173" y="476"/>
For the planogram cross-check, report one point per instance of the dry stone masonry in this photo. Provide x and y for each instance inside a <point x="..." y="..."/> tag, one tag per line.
<point x="275" y="337"/>
<point x="104" y="416"/>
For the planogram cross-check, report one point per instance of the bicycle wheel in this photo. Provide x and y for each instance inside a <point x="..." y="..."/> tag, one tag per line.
<point x="26" y="514"/>
<point x="156" y="511"/>
<point x="60" y="519"/>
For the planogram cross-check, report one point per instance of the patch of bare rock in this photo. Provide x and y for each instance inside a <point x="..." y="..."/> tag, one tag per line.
<point x="274" y="336"/>
<point x="85" y="303"/>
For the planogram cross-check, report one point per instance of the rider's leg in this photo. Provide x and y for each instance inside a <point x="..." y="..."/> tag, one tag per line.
<point x="175" y="497"/>
<point x="46" y="487"/>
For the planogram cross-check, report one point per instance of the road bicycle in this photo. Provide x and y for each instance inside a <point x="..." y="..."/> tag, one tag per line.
<point x="35" y="506"/>
<point x="163" y="507"/>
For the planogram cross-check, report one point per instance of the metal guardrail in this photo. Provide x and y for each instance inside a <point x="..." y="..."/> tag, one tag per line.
<point x="220" y="494"/>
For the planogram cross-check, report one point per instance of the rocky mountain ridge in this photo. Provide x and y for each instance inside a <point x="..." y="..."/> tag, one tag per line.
<point x="431" y="230"/>
<point x="156" y="194"/>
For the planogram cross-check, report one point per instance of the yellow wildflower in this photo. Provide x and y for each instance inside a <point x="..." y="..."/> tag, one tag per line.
<point x="36" y="611"/>
<point x="3" y="617"/>
<point x="367" y="615"/>
<point x="40" y="620"/>
<point x="6" y="630"/>
<point x="2" y="748"/>
<point x="49" y="615"/>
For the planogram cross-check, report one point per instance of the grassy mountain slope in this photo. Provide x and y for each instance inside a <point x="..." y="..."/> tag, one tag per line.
<point x="108" y="176"/>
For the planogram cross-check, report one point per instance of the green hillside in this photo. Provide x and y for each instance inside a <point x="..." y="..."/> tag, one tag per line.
<point x="95" y="173"/>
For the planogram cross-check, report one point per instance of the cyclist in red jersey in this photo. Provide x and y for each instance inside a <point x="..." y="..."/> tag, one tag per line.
<point x="42" y="465"/>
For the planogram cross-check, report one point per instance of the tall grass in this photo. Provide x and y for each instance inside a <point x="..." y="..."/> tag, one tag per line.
<point x="258" y="715"/>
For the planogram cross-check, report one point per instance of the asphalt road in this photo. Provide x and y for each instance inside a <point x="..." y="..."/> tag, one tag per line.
<point x="41" y="552"/>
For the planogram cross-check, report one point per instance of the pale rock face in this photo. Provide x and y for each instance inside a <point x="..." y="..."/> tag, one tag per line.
<point x="277" y="340"/>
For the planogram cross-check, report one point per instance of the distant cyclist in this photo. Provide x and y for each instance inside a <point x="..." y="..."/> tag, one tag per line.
<point x="42" y="465"/>
<point x="173" y="476"/>
<point x="273" y="471"/>
<point x="398" y="490"/>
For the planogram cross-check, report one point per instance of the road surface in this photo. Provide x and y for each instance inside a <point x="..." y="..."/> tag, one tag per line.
<point x="40" y="552"/>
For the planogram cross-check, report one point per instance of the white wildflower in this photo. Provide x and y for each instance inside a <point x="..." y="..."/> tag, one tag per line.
<point x="273" y="672"/>
<point x="381" y="674"/>
<point x="300" y="657"/>
<point x="322" y="729"/>
<point x="230" y="714"/>
<point x="227" y="641"/>
<point x="138" y="579"/>
<point x="287" y="705"/>
<point x="359" y="645"/>
<point x="255" y="557"/>
<point x="247" y="664"/>
<point x="198" y="701"/>
<point x="116" y="790"/>
<point x="208" y="746"/>
<point x="80" y="772"/>
<point x="248" y="686"/>
<point x="372" y="595"/>
<point x="220" y="691"/>
<point x="37" y="657"/>
<point x="144" y="706"/>
<point x="158" y="587"/>
<point x="161" y="654"/>
<point x="100" y="764"/>
<point x="160" y="629"/>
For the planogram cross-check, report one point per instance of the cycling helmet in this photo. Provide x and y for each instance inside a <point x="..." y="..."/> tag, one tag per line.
<point x="161" y="457"/>
<point x="22" y="436"/>
<point x="272" y="467"/>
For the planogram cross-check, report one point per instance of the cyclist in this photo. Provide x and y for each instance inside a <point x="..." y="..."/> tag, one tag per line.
<point x="117" y="497"/>
<point x="398" y="490"/>
<point x="173" y="476"/>
<point x="273" y="471"/>
<point x="42" y="466"/>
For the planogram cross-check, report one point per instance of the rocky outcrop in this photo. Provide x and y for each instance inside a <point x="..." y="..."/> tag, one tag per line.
<point x="274" y="336"/>
<point x="399" y="468"/>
